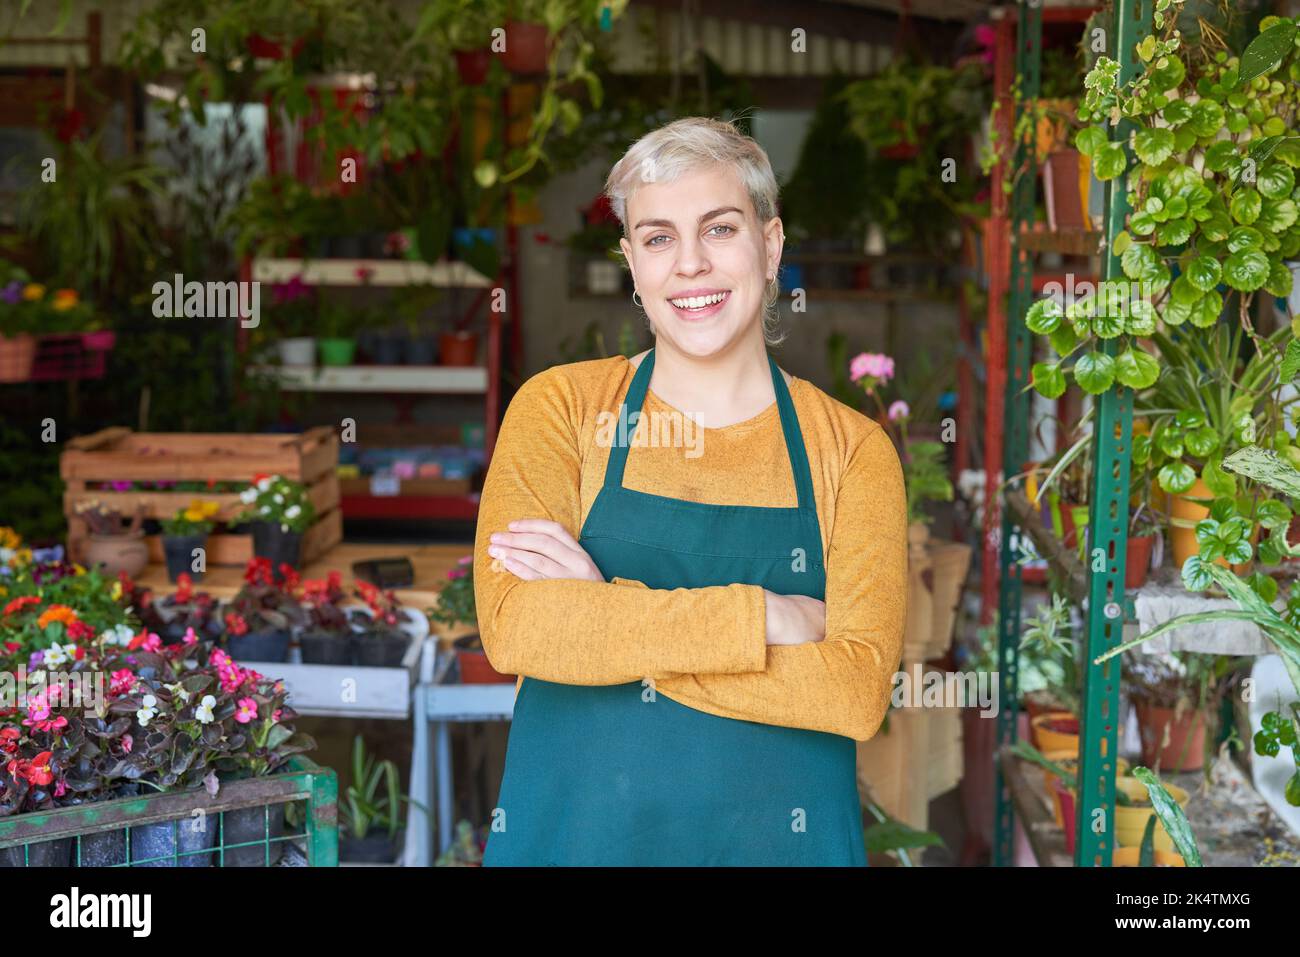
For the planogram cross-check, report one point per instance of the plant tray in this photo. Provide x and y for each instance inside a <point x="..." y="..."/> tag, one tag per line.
<point x="122" y="455"/>
<point x="312" y="788"/>
<point x="74" y="355"/>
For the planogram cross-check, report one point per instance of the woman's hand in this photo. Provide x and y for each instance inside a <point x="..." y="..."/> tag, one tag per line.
<point x="794" y="619"/>
<point x="536" y="548"/>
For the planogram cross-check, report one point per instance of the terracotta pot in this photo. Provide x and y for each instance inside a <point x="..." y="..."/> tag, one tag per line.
<point x="117" y="553"/>
<point x="1137" y="560"/>
<point x="1049" y="738"/>
<point x="17" y="353"/>
<point x="527" y="47"/>
<point x="1152" y="724"/>
<point x="475" y="669"/>
<point x="457" y="349"/>
<point x="472" y="65"/>
<point x="1130" y="822"/>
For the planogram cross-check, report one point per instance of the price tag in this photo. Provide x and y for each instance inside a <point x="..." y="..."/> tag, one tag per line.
<point x="385" y="485"/>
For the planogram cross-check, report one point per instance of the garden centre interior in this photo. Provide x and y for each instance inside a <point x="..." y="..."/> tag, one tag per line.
<point x="1050" y="248"/>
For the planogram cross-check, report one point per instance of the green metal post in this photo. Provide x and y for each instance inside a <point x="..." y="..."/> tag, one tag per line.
<point x="1029" y="35"/>
<point x="1108" y="530"/>
<point x="323" y="819"/>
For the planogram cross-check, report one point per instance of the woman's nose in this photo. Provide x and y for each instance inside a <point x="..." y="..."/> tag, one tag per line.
<point x="692" y="258"/>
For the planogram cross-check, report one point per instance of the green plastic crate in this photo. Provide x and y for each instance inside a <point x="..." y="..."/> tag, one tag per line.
<point x="306" y="785"/>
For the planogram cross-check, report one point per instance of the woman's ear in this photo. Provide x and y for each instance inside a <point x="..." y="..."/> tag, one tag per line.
<point x="774" y="240"/>
<point x="624" y="245"/>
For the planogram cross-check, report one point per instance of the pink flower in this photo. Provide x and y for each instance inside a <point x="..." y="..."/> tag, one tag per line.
<point x="220" y="659"/>
<point x="276" y="716"/>
<point x="231" y="678"/>
<point x="875" y="365"/>
<point x="152" y="642"/>
<point x="247" y="710"/>
<point x="127" y="743"/>
<point x="121" y="682"/>
<point x="898" y="410"/>
<point x="457" y="572"/>
<point x="190" y="638"/>
<point x="60" y="788"/>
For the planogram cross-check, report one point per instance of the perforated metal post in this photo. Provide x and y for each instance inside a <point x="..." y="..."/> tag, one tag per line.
<point x="1108" y="531"/>
<point x="1029" y="34"/>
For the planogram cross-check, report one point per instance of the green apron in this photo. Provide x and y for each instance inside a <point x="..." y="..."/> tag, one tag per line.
<point x="618" y="775"/>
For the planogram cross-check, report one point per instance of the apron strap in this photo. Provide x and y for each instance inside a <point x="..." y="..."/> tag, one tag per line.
<point x="794" y="444"/>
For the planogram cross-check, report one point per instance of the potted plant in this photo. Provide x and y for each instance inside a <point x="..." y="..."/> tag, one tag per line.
<point x="1051" y="669"/>
<point x="327" y="637"/>
<point x="19" y="299"/>
<point x="115" y="545"/>
<point x="184" y="535"/>
<point x="465" y="849"/>
<point x="185" y="610"/>
<point x="1174" y="695"/>
<point x="370" y="816"/>
<point x="456" y="608"/>
<point x="260" y="617"/>
<point x="528" y="41"/>
<point x="279" y="512"/>
<point x="383" y="643"/>
<point x="293" y="316"/>
<point x="338" y="326"/>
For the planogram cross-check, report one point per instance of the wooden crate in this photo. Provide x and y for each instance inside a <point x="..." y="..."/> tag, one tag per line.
<point x="120" y="454"/>
<point x="919" y="758"/>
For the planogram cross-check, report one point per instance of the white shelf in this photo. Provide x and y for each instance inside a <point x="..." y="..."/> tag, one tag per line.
<point x="383" y="272"/>
<point x="415" y="379"/>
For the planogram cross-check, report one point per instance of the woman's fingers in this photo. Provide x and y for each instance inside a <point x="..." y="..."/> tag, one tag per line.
<point x="545" y="526"/>
<point x="540" y="566"/>
<point x="535" y="542"/>
<point x="558" y="555"/>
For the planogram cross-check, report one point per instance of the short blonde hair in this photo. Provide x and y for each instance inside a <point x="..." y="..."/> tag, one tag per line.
<point x="690" y="144"/>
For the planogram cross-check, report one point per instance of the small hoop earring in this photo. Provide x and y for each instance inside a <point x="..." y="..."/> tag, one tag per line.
<point x="635" y="301"/>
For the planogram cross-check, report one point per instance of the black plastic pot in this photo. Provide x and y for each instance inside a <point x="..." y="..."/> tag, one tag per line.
<point x="43" y="854"/>
<point x="103" y="849"/>
<point x="270" y="644"/>
<point x="179" y="550"/>
<point x="326" y="648"/>
<point x="386" y="349"/>
<point x="421" y="350"/>
<point x="281" y="547"/>
<point x="251" y="824"/>
<point x="175" y="837"/>
<point x="374" y="848"/>
<point x="381" y="648"/>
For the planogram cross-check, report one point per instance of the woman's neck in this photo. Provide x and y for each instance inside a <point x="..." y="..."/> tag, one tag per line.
<point x="720" y="390"/>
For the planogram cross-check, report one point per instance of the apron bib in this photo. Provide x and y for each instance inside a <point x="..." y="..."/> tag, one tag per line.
<point x="620" y="775"/>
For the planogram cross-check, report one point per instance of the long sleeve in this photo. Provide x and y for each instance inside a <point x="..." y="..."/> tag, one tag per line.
<point x="580" y="632"/>
<point x="841" y="684"/>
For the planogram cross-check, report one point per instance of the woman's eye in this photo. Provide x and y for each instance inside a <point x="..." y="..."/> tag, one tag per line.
<point x="654" y="240"/>
<point x="728" y="229"/>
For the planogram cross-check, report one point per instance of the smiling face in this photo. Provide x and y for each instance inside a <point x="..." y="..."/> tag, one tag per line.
<point x="700" y="259"/>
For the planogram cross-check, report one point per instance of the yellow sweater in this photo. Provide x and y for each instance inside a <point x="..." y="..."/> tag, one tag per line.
<point x="703" y="647"/>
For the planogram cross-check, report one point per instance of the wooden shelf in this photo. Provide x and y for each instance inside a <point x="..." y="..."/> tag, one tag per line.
<point x="432" y="380"/>
<point x="381" y="272"/>
<point x="1049" y="546"/>
<point x="1045" y="838"/>
<point x="1075" y="242"/>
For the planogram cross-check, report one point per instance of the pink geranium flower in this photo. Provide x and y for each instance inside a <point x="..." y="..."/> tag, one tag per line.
<point x="874" y="365"/>
<point x="899" y="410"/>
<point x="247" y="710"/>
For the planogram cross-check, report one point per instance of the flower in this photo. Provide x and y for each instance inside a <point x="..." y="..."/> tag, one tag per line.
<point x="219" y="659"/>
<point x="204" y="710"/>
<point x="293" y="511"/>
<point x="178" y="690"/>
<point x="248" y="496"/>
<point x="874" y="365"/>
<point x="119" y="634"/>
<point x="33" y="291"/>
<point x="12" y="293"/>
<point x="189" y="638"/>
<point x="18" y="604"/>
<point x="147" y="710"/>
<point x="899" y="410"/>
<point x="39" y="771"/>
<point x="247" y="710"/>
<point x="235" y="624"/>
<point x="64" y="299"/>
<point x="120" y="682"/>
<point x="55" y="655"/>
<point x="264" y="482"/>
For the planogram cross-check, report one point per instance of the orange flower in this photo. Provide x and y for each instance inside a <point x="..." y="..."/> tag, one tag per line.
<point x="65" y="299"/>
<point x="60" y="613"/>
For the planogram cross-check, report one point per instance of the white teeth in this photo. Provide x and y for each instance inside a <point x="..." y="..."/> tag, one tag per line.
<point x="698" y="302"/>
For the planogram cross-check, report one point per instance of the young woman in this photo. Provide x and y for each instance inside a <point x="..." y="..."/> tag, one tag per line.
<point x="702" y="627"/>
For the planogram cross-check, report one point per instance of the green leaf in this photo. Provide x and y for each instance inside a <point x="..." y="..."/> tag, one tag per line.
<point x="1109" y="322"/>
<point x="1153" y="145"/>
<point x="1244" y="237"/>
<point x="1138" y="260"/>
<point x="1089" y="139"/>
<point x="1264" y="53"/>
<point x="1044" y="316"/>
<point x="1207" y="118"/>
<point x="1203" y="272"/>
<point x="1141" y="318"/>
<point x="1278" y="215"/>
<point x="1219" y="154"/>
<point x="1205" y="311"/>
<point x="1279" y="280"/>
<point x="1290" y="362"/>
<point x="1121" y="243"/>
<point x="1245" y="206"/>
<point x="1201" y="442"/>
<point x="1194" y="573"/>
<point x="1266" y="467"/>
<point x="1219" y="482"/>
<point x="1246" y="270"/>
<point x="1142" y="223"/>
<point x="1273" y="514"/>
<point x="1177" y="112"/>
<point x="1172" y="817"/>
<point x="1095" y="372"/>
<point x="1048" y="379"/>
<point x="1176" y="477"/>
<point x="1063" y="339"/>
<point x="1184" y="291"/>
<point x="1136" y="368"/>
<point x="1275" y="181"/>
<point x="1175" y="232"/>
<point x="1109" y="161"/>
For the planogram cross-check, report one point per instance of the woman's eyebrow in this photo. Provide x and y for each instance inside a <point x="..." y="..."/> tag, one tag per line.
<point x="668" y="223"/>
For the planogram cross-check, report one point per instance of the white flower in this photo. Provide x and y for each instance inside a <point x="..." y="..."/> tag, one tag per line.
<point x="146" y="713"/>
<point x="278" y="498"/>
<point x="204" y="711"/>
<point x="179" y="691"/>
<point x="248" y="496"/>
<point x="54" y="655"/>
<point x="117" y="635"/>
<point x="6" y="555"/>
<point x="264" y="483"/>
<point x="284" y="527"/>
<point x="293" y="511"/>
<point x="266" y="510"/>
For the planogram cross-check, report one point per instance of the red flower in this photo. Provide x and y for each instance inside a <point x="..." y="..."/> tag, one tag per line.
<point x="184" y="587"/>
<point x="258" y="572"/>
<point x="20" y="603"/>
<point x="39" y="772"/>
<point x="9" y="739"/>
<point x="12" y="646"/>
<point x="79" y="630"/>
<point x="235" y="624"/>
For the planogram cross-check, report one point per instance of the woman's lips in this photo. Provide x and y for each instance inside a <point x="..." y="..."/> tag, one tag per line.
<point x="703" y="312"/>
